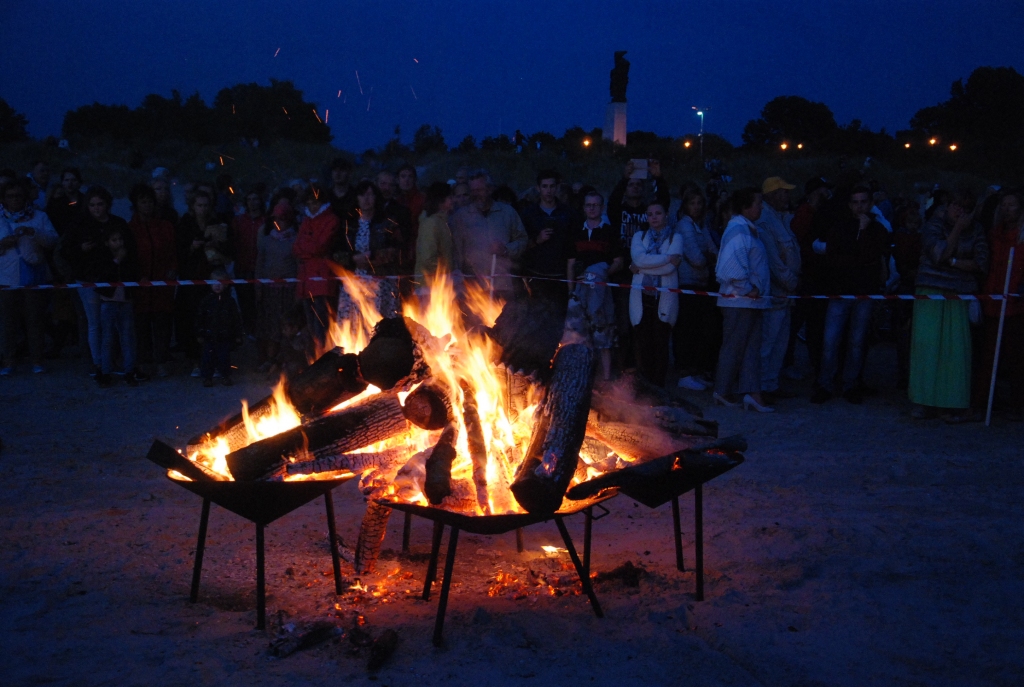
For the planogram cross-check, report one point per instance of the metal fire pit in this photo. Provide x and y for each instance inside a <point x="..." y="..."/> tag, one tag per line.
<point x="492" y="525"/>
<point x="259" y="502"/>
<point x="689" y="472"/>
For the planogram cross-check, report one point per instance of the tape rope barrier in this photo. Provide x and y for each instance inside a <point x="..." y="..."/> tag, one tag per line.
<point x="649" y="289"/>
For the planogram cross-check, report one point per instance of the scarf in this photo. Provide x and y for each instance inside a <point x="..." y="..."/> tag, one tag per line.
<point x="654" y="248"/>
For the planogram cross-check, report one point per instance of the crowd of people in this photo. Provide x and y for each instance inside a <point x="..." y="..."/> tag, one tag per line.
<point x="568" y="245"/>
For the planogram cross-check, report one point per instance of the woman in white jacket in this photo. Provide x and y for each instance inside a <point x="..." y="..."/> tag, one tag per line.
<point x="656" y="253"/>
<point x="745" y="283"/>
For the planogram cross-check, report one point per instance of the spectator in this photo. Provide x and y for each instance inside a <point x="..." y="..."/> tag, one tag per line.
<point x="598" y="254"/>
<point x="1007" y="232"/>
<point x="164" y="202"/>
<point x="224" y="207"/>
<point x="66" y="205"/>
<point x="157" y="260"/>
<point x="954" y="256"/>
<point x="410" y="196"/>
<point x="218" y="330"/>
<point x="907" y="256"/>
<point x="696" y="337"/>
<point x="40" y="178"/>
<point x="488" y="237"/>
<point x="783" y="253"/>
<point x="398" y="215"/>
<point x="745" y="281"/>
<point x="627" y="213"/>
<point x="65" y="208"/>
<point x="201" y="247"/>
<point x="245" y="230"/>
<point x="370" y="245"/>
<point x="462" y="177"/>
<point x="340" y="198"/>
<point x="808" y="227"/>
<point x="25" y="235"/>
<point x="857" y="258"/>
<point x="656" y="253"/>
<point x="274" y="260"/>
<point x="434" y="243"/>
<point x="550" y="225"/>
<point x="460" y="195"/>
<point x="317" y="289"/>
<point x="84" y="249"/>
<point x="118" y="264"/>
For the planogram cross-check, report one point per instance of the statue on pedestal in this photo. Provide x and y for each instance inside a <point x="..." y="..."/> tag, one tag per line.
<point x="619" y="77"/>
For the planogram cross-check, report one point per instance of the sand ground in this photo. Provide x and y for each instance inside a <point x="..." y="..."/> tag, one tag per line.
<point x="854" y="546"/>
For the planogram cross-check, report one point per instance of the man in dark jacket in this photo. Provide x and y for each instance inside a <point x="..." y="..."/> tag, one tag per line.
<point x="219" y="330"/>
<point x="550" y="225"/>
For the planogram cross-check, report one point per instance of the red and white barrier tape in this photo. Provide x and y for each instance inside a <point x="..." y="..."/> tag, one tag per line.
<point x="650" y="289"/>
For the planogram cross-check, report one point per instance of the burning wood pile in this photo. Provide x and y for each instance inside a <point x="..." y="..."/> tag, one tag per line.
<point x="459" y="405"/>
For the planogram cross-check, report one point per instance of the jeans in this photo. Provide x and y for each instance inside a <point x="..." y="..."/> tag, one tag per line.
<point x="651" y="342"/>
<point x="774" y="341"/>
<point x="118" y="319"/>
<point x="741" y="351"/>
<point x="91" y="303"/>
<point x="216" y="356"/>
<point x="17" y="309"/>
<point x="841" y="315"/>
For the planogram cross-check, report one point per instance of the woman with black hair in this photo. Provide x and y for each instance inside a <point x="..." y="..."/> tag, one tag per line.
<point x="370" y="245"/>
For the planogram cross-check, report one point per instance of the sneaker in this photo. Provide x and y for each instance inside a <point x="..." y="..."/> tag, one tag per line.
<point x="6" y="371"/>
<point x="38" y="369"/>
<point x="692" y="383"/>
<point x="196" y="372"/>
<point x="217" y="375"/>
<point x="140" y="376"/>
<point x="207" y="382"/>
<point x="226" y="381"/>
<point x="821" y="395"/>
<point x="162" y="370"/>
<point x="854" y="396"/>
<point x="104" y="381"/>
<point x="94" y="371"/>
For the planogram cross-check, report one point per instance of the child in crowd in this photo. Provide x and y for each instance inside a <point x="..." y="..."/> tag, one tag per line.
<point x="297" y="345"/>
<point x="218" y="330"/>
<point x="117" y="316"/>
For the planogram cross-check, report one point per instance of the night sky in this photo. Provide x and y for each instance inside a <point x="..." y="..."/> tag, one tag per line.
<point x="486" y="68"/>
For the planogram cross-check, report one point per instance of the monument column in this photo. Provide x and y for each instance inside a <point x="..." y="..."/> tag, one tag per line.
<point x="615" y="114"/>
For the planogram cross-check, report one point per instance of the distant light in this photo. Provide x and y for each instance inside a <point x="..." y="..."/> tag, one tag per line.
<point x="800" y="146"/>
<point x="700" y="113"/>
<point x="952" y="146"/>
<point x="906" y="145"/>
<point x="932" y="141"/>
<point x="586" y="142"/>
<point x="686" y="144"/>
<point x="784" y="146"/>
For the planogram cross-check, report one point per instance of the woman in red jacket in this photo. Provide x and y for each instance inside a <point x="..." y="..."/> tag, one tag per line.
<point x="317" y="289"/>
<point x="158" y="261"/>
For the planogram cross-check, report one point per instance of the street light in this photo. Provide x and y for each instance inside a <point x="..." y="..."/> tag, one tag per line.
<point x="700" y="113"/>
<point x="784" y="146"/>
<point x="800" y="146"/>
<point x="586" y="143"/>
<point x="906" y="145"/>
<point x="952" y="146"/>
<point x="686" y="144"/>
<point x="932" y="141"/>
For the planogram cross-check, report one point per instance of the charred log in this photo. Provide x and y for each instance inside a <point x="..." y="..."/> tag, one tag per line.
<point x="390" y="356"/>
<point x="528" y="331"/>
<point x="375" y="419"/>
<point x="351" y="462"/>
<point x="438" y="483"/>
<point x="476" y="443"/>
<point x="560" y="426"/>
<point x="638" y="443"/>
<point x="371" y="536"/>
<point x="429" y="405"/>
<point x="166" y="457"/>
<point x="611" y="408"/>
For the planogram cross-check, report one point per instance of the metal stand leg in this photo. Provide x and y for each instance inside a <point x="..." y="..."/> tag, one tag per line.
<point x="435" y="551"/>
<point x="261" y="592"/>
<point x="446" y="584"/>
<point x="332" y="532"/>
<point x="588" y="589"/>
<point x="698" y="522"/>
<point x="678" y="531"/>
<point x="588" y="522"/>
<point x="406" y="532"/>
<point x="519" y="539"/>
<point x="197" y="570"/>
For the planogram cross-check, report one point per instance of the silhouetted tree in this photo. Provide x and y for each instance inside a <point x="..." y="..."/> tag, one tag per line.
<point x="13" y="124"/>
<point x="500" y="143"/>
<point x="269" y="113"/>
<point x="989" y="107"/>
<point x="428" y="139"/>
<point x="466" y="145"/>
<point x="790" y="118"/>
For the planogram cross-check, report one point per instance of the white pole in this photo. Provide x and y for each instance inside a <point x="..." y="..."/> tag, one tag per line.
<point x="999" y="338"/>
<point x="494" y="268"/>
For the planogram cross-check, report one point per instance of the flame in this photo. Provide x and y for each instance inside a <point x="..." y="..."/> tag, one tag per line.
<point x="353" y="332"/>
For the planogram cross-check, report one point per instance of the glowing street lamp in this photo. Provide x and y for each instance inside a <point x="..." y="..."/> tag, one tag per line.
<point x="906" y="145"/>
<point x="932" y="141"/>
<point x="700" y="113"/>
<point x="686" y="144"/>
<point x="952" y="146"/>
<point x="800" y="146"/>
<point x="586" y="143"/>
<point x="784" y="146"/>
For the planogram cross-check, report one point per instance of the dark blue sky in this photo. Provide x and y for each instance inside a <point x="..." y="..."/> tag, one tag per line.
<point x="489" y="67"/>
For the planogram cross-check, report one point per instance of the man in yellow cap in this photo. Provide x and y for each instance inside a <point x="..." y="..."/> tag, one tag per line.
<point x="783" y="251"/>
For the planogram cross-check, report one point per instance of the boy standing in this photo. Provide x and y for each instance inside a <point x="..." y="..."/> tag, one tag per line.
<point x="219" y="330"/>
<point x="117" y="316"/>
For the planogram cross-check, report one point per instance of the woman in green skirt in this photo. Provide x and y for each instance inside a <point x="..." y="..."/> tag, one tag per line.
<point x="954" y="257"/>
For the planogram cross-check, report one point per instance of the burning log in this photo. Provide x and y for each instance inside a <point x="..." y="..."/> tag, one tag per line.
<point x="476" y="443"/>
<point x="332" y="379"/>
<point x="371" y="536"/>
<point x="559" y="429"/>
<point x="429" y="405"/>
<point x="705" y="459"/>
<point x="375" y="419"/>
<point x="638" y="443"/>
<point x="390" y="355"/>
<point x="528" y="331"/>
<point x="352" y="462"/>
<point x="438" y="483"/>
<point x="166" y="457"/>
<point x="462" y="498"/>
<point x="610" y="408"/>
